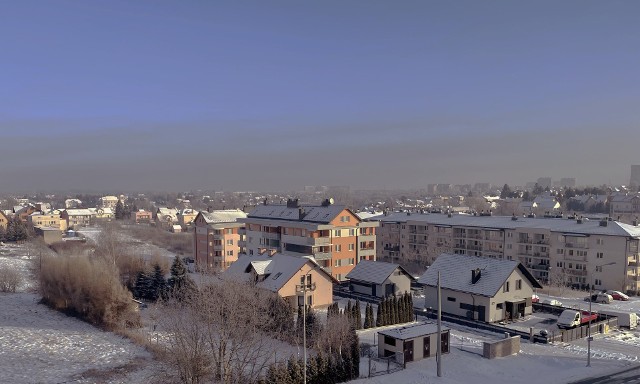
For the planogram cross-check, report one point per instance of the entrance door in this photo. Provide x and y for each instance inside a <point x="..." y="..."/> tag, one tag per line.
<point x="373" y="290"/>
<point x="444" y="342"/>
<point x="426" y="342"/>
<point x="408" y="351"/>
<point x="481" y="313"/>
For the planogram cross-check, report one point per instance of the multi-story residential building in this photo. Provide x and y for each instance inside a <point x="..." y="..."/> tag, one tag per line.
<point x="75" y="218"/>
<point x="625" y="208"/>
<point x="218" y="238"/>
<point x="109" y="201"/>
<point x="557" y="251"/>
<point x="333" y="234"/>
<point x="48" y="220"/>
<point x="143" y="216"/>
<point x="634" y="180"/>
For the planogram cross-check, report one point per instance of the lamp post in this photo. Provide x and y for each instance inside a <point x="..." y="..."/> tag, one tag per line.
<point x="303" y="288"/>
<point x="589" y="338"/>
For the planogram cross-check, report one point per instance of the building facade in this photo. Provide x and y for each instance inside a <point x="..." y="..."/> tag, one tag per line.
<point x="218" y="237"/>
<point x="557" y="251"/>
<point x="332" y="234"/>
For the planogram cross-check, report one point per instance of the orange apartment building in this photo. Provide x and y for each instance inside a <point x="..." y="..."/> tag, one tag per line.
<point x="217" y="238"/>
<point x="332" y="234"/>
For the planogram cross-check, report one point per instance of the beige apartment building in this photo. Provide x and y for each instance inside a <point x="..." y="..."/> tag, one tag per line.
<point x="332" y="234"/>
<point x="557" y="251"/>
<point x="625" y="208"/>
<point x="217" y="238"/>
<point x="75" y="218"/>
<point x="49" y="220"/>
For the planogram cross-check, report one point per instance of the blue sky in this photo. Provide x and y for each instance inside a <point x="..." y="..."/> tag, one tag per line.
<point x="266" y="95"/>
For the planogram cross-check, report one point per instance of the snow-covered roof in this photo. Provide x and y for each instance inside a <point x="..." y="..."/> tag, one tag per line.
<point x="455" y="274"/>
<point x="565" y="226"/>
<point x="311" y="213"/>
<point x="364" y="215"/>
<point x="223" y="216"/>
<point x="79" y="212"/>
<point x="412" y="331"/>
<point x="374" y="271"/>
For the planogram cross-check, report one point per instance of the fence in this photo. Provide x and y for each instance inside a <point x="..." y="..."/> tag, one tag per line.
<point x="383" y="365"/>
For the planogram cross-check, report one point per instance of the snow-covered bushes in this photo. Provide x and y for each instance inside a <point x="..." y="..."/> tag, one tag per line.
<point x="88" y="287"/>
<point x="10" y="279"/>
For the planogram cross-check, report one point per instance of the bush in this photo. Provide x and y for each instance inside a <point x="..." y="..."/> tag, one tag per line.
<point x="10" y="279"/>
<point x="89" y="288"/>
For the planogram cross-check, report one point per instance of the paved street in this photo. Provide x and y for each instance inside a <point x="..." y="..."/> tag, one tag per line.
<point x="625" y="376"/>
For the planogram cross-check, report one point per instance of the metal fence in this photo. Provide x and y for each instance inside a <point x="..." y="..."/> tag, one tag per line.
<point x="383" y="365"/>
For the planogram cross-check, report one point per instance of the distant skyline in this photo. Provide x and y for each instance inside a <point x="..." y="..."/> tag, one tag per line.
<point x="275" y="95"/>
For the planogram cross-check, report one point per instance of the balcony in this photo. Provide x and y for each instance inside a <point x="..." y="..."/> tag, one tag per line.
<point x="301" y="288"/>
<point x="395" y="248"/>
<point x="322" y="256"/>
<point x="575" y="245"/>
<point x="539" y="267"/>
<point x="303" y="240"/>
<point x="574" y="272"/>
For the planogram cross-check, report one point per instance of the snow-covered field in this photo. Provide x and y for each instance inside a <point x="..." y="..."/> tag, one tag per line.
<point x="40" y="345"/>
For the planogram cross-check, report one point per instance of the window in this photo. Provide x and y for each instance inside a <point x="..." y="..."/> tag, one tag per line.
<point x="499" y="306"/>
<point x="600" y="241"/>
<point x="229" y="253"/>
<point x="352" y="232"/>
<point x="600" y="255"/>
<point x="229" y="242"/>
<point x="508" y="246"/>
<point x="229" y="231"/>
<point x="598" y="282"/>
<point x="560" y="251"/>
<point x="352" y="247"/>
<point x="389" y="340"/>
<point x="559" y="264"/>
<point x="598" y="268"/>
<point x="338" y="247"/>
<point x="453" y="299"/>
<point x="336" y="233"/>
<point x="505" y="287"/>
<point x="518" y="284"/>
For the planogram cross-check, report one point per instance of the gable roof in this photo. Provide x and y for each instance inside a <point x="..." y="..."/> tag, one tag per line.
<point x="412" y="331"/>
<point x="277" y="269"/>
<point x="323" y="214"/>
<point x="455" y="274"/>
<point x="374" y="271"/>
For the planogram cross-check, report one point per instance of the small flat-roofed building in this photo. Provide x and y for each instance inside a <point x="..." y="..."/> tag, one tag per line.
<point x="379" y="279"/>
<point x="412" y="342"/>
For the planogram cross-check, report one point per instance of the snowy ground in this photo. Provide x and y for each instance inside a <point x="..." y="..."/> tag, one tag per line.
<point x="40" y="345"/>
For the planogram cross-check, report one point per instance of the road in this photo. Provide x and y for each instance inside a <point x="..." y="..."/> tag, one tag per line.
<point x="625" y="376"/>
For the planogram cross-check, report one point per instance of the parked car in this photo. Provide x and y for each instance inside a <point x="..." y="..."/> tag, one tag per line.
<point x="617" y="295"/>
<point x="553" y="302"/>
<point x="602" y="298"/>
<point x="535" y="299"/>
<point x="571" y="319"/>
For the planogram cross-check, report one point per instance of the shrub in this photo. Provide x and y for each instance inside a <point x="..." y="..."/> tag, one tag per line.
<point x="10" y="279"/>
<point x="89" y="288"/>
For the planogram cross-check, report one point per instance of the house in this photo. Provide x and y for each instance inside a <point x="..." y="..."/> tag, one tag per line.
<point x="143" y="216"/>
<point x="104" y="213"/>
<point x="333" y="234"/>
<point x="72" y="203"/>
<point x="288" y="276"/>
<point x="166" y="218"/>
<point x="109" y="202"/>
<point x="4" y="220"/>
<point x="218" y="238"/>
<point x="23" y="212"/>
<point x="379" y="279"/>
<point x="480" y="288"/>
<point x="49" y="220"/>
<point x="175" y="228"/>
<point x="186" y="217"/>
<point x="49" y="235"/>
<point x="75" y="218"/>
<point x="413" y="342"/>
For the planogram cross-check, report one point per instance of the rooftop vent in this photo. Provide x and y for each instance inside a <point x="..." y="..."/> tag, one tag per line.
<point x="514" y="217"/>
<point x="604" y="223"/>
<point x="292" y="203"/>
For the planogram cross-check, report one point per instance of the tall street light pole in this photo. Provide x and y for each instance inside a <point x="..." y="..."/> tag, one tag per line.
<point x="303" y="288"/>
<point x="589" y="338"/>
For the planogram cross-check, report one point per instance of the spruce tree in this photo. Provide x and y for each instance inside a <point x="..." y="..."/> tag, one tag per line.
<point x="180" y="284"/>
<point x="355" y="356"/>
<point x="379" y="315"/>
<point x="3" y="233"/>
<point x="295" y="371"/>
<point x="141" y="290"/>
<point x="119" y="214"/>
<point x="348" y="312"/>
<point x="323" y="369"/>
<point x="312" y="371"/>
<point x="366" y="317"/>
<point x="158" y="284"/>
<point x="394" y="303"/>
<point x="299" y="322"/>
<point x="357" y="315"/>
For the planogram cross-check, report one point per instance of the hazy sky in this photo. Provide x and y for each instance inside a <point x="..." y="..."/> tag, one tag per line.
<point x="266" y="94"/>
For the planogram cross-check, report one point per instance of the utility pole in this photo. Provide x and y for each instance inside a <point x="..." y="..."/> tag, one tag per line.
<point x="439" y="339"/>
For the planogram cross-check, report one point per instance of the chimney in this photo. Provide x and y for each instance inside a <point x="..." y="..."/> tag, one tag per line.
<point x="635" y="222"/>
<point x="603" y="222"/>
<point x="579" y="220"/>
<point x="475" y="275"/>
<point x="209" y="209"/>
<point x="301" y="213"/>
<point x="514" y="217"/>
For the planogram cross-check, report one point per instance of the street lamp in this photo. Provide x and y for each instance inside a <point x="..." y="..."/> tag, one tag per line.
<point x="303" y="288"/>
<point x="589" y="338"/>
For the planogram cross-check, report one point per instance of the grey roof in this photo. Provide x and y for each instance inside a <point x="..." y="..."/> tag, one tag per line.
<point x="277" y="269"/>
<point x="412" y="331"/>
<point x="312" y="213"/>
<point x="455" y="273"/>
<point x="374" y="271"/>
<point x="223" y="216"/>
<point x="588" y="227"/>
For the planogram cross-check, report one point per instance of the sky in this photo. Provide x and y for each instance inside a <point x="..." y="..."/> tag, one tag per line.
<point x="275" y="95"/>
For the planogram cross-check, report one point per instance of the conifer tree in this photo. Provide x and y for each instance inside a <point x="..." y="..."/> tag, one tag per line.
<point x="348" y="310"/>
<point x="142" y="285"/>
<point x="394" y="303"/>
<point x="3" y="234"/>
<point x="119" y="214"/>
<point x="357" y="315"/>
<point x="355" y="357"/>
<point x="158" y="284"/>
<point x="323" y="368"/>
<point x="379" y="315"/>
<point x="366" y="317"/>
<point x="312" y="371"/>
<point x="180" y="283"/>
<point x="295" y="370"/>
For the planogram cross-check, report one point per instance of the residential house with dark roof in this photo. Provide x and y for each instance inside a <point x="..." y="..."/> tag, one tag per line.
<point x="480" y="288"/>
<point x="379" y="279"/>
<point x="217" y="238"/>
<point x="288" y="276"/>
<point x="336" y="237"/>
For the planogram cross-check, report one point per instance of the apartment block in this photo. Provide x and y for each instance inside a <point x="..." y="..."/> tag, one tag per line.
<point x="218" y="238"/>
<point x="48" y="220"/>
<point x="332" y="233"/>
<point x="556" y="250"/>
<point x="625" y="208"/>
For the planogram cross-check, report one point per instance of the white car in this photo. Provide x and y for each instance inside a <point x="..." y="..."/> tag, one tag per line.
<point x="553" y="302"/>
<point x="617" y="295"/>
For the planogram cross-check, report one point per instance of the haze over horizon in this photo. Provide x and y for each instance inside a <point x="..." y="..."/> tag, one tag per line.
<point x="255" y="95"/>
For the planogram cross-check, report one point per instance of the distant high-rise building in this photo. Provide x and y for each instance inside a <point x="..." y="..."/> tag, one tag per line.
<point x="635" y="176"/>
<point x="567" y="182"/>
<point x="544" y="182"/>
